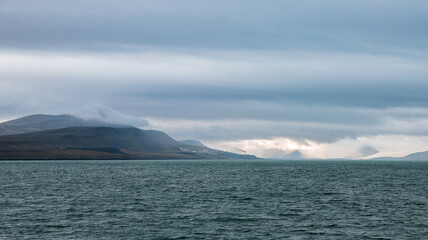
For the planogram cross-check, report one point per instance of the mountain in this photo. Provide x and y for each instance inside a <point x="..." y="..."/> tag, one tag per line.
<point x="68" y="137"/>
<point x="41" y="122"/>
<point x="418" y="156"/>
<point x="102" y="143"/>
<point x="294" y="155"/>
<point x="193" y="143"/>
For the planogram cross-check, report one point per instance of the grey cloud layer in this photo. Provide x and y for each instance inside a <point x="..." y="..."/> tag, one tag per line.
<point x="309" y="25"/>
<point x="210" y="86"/>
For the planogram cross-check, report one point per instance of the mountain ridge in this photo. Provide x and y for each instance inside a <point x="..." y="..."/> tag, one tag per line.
<point x="192" y="142"/>
<point x="417" y="156"/>
<point x="42" y="122"/>
<point x="95" y="142"/>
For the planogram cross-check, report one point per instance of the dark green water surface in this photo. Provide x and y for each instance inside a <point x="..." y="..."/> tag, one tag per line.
<point x="258" y="199"/>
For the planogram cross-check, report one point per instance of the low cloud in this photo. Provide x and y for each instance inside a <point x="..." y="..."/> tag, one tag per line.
<point x="361" y="147"/>
<point x="345" y="124"/>
<point x="109" y="115"/>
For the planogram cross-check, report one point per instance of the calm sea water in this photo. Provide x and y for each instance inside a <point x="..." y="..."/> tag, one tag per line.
<point x="259" y="199"/>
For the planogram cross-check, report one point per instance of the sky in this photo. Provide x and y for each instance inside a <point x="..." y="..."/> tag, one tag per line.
<point x="331" y="79"/>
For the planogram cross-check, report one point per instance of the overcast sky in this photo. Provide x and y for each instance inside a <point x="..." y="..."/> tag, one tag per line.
<point x="327" y="78"/>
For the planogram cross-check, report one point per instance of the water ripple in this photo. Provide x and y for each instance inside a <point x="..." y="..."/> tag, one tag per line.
<point x="213" y="200"/>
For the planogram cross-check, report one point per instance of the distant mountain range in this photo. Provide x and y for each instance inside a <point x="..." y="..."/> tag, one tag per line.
<point x="419" y="156"/>
<point x="68" y="137"/>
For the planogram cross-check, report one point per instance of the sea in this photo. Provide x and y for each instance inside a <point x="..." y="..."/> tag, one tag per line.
<point x="213" y="199"/>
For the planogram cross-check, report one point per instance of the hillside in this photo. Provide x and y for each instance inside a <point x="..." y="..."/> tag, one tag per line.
<point x="193" y="143"/>
<point x="419" y="156"/>
<point x="42" y="122"/>
<point x="102" y="143"/>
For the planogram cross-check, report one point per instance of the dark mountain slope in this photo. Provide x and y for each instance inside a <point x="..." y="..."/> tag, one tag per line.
<point x="80" y="137"/>
<point x="41" y="122"/>
<point x="101" y="143"/>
